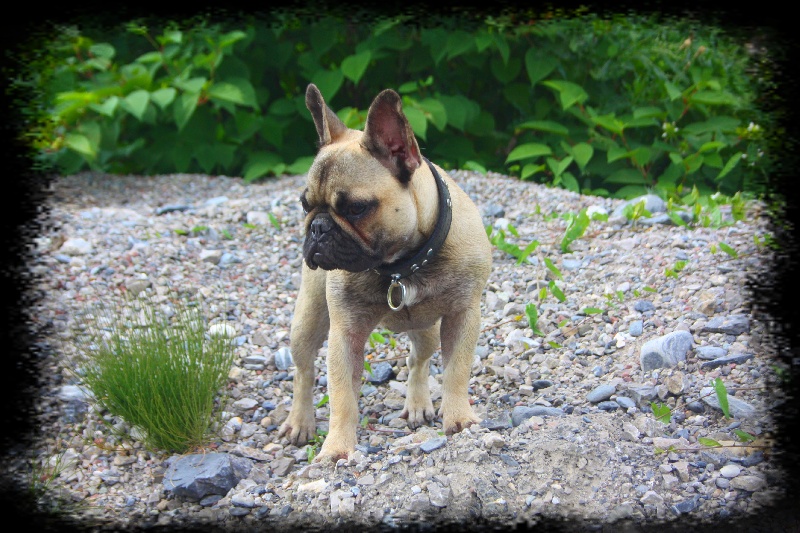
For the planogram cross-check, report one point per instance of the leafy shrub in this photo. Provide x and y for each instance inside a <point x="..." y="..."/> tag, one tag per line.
<point x="596" y="105"/>
<point x="157" y="372"/>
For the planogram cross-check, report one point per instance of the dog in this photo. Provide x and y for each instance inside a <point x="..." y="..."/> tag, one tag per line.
<point x="390" y="240"/>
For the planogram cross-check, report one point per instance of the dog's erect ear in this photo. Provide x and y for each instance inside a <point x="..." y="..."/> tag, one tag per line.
<point x="329" y="126"/>
<point x="389" y="137"/>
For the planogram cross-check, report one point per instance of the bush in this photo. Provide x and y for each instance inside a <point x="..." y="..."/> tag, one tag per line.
<point x="157" y="368"/>
<point x="618" y="105"/>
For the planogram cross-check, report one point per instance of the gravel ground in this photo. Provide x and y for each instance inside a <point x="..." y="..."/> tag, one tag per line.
<point x="567" y="431"/>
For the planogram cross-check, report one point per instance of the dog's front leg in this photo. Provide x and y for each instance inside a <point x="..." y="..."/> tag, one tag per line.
<point x="459" y="333"/>
<point x="345" y="369"/>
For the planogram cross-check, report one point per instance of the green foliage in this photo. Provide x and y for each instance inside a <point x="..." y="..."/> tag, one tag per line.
<point x="159" y="372"/>
<point x="532" y="313"/>
<point x="499" y="240"/>
<point x="615" y="105"/>
<point x="661" y="411"/>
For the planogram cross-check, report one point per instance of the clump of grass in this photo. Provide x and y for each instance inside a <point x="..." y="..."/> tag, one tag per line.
<point x="157" y="367"/>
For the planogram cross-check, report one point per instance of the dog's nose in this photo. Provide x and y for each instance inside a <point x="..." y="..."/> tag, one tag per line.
<point x="320" y="226"/>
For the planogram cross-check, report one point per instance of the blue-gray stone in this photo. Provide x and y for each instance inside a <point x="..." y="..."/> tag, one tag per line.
<point x="283" y="358"/>
<point x="753" y="459"/>
<point x="696" y="407"/>
<point x="75" y="411"/>
<point x="731" y="325"/>
<point x="61" y="258"/>
<point x="643" y="306"/>
<point x="652" y="203"/>
<point x="600" y="393"/>
<point x="433" y="444"/>
<point x="268" y="405"/>
<point x="609" y="405"/>
<point x="381" y="373"/>
<point x="217" y="200"/>
<point x="196" y="476"/>
<point x="710" y="352"/>
<point x="541" y="384"/>
<point x="665" y="351"/>
<point x="510" y="461"/>
<point x="686" y="506"/>
<point x="239" y="511"/>
<point x="642" y="394"/>
<point x="498" y="423"/>
<point x="367" y="389"/>
<point x="522" y="413"/>
<point x="571" y="264"/>
<point x="625" y="402"/>
<point x="227" y="259"/>
<point x="172" y="207"/>
<point x="636" y="328"/>
<point x="735" y="359"/>
<point x="738" y="408"/>
<point x="598" y="371"/>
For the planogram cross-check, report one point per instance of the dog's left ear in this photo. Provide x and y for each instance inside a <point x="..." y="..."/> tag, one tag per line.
<point x="389" y="137"/>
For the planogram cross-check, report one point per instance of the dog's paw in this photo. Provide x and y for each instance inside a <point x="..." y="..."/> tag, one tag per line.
<point x="455" y="420"/>
<point x="418" y="413"/>
<point x="298" y="429"/>
<point x="334" y="449"/>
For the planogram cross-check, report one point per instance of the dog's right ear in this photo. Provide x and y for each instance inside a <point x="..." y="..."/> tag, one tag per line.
<point x="329" y="126"/>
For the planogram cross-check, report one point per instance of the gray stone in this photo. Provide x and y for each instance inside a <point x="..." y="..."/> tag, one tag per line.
<point x="748" y="483"/>
<point x="498" y="423"/>
<point x="135" y="286"/>
<point x="652" y="203"/>
<point x="433" y="444"/>
<point x="439" y="496"/>
<point x="609" y="405"/>
<point x="259" y="218"/>
<point x="665" y="351"/>
<point x="217" y="200"/>
<point x="731" y="325"/>
<point x="196" y="476"/>
<point x="735" y="359"/>
<point x="211" y="256"/>
<point x="521" y="413"/>
<point x="169" y="208"/>
<point x="283" y="358"/>
<point x="642" y="394"/>
<point x="738" y="408"/>
<point x="75" y="247"/>
<point x="541" y="384"/>
<point x="603" y="392"/>
<point x="381" y="373"/>
<point x="643" y="306"/>
<point x="625" y="402"/>
<point x="636" y="328"/>
<point x="710" y="352"/>
<point x="281" y="467"/>
<point x="686" y="506"/>
<point x="571" y="264"/>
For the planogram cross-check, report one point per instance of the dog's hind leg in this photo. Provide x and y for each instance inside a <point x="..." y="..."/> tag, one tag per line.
<point x="309" y="329"/>
<point x="418" y="408"/>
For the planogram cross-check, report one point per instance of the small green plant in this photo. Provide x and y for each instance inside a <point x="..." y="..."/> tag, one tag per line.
<point x="677" y="267"/>
<point x="661" y="411"/>
<point x="499" y="241"/>
<point x="532" y="313"/>
<point x="315" y="443"/>
<point x="636" y="211"/>
<point x="199" y="229"/>
<point x="274" y="221"/>
<point x="158" y="371"/>
<point x="226" y="235"/>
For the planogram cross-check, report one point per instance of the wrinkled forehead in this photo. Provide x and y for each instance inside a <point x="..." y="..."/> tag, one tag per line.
<point x="342" y="167"/>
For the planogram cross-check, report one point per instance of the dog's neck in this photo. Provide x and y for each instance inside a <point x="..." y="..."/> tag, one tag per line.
<point x="426" y="252"/>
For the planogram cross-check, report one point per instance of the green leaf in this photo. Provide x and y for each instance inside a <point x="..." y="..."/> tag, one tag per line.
<point x="582" y="152"/>
<point x="728" y="250"/>
<point x="558" y="293"/>
<point x="184" y="108"/>
<point x="609" y="122"/>
<point x="81" y="144"/>
<point x="301" y="165"/>
<point x="648" y="112"/>
<point x="661" y="411"/>
<point x="553" y="268"/>
<point x="527" y="251"/>
<point x="591" y="311"/>
<point x="192" y="85"/>
<point x="730" y="165"/>
<point x="328" y="81"/>
<point x="672" y="91"/>
<point x="744" y="436"/>
<point x="570" y="182"/>
<point x="527" y="150"/>
<point x="474" y="165"/>
<point x="568" y="92"/>
<point x="544" y="125"/>
<point x="260" y="164"/>
<point x="136" y="103"/>
<point x="713" y="98"/>
<point x="530" y="169"/>
<point x="322" y="401"/>
<point x="722" y="396"/>
<point x="417" y="120"/>
<point x="533" y="317"/>
<point x="435" y="112"/>
<point x="107" y="108"/>
<point x="627" y="176"/>
<point x="538" y="65"/>
<point x="163" y="97"/>
<point x="235" y="90"/>
<point x="711" y="443"/>
<point x="354" y="66"/>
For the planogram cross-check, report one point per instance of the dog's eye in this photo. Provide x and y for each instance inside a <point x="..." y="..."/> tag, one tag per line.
<point x="357" y="209"/>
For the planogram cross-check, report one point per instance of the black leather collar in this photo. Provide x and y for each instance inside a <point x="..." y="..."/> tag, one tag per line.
<point x="403" y="268"/>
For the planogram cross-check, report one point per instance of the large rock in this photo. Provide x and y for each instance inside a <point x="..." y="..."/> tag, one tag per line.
<point x="198" y="475"/>
<point x="666" y="351"/>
